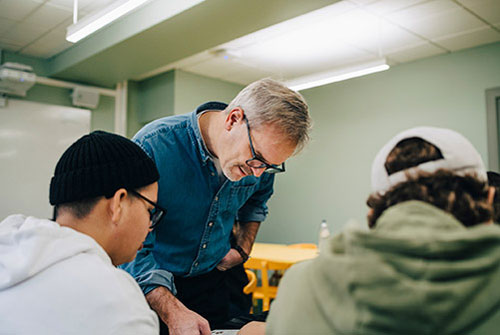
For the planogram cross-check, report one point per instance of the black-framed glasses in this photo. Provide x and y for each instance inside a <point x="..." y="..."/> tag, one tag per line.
<point x="156" y="213"/>
<point x="258" y="163"/>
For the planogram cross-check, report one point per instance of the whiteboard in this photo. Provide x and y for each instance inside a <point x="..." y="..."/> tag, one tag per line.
<point x="33" y="137"/>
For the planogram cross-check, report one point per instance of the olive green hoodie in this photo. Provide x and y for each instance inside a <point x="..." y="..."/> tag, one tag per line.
<point x="419" y="271"/>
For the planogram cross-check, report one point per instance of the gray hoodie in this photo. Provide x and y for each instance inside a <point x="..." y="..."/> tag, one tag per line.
<point x="420" y="271"/>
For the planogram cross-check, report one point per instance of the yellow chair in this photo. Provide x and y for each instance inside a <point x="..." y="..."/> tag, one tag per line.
<point x="252" y="282"/>
<point x="266" y="292"/>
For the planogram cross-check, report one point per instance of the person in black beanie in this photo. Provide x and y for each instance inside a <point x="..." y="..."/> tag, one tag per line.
<point x="60" y="276"/>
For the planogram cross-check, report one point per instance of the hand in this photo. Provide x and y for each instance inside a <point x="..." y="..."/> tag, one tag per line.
<point x="231" y="259"/>
<point x="253" y="328"/>
<point x="187" y="322"/>
<point x="179" y="319"/>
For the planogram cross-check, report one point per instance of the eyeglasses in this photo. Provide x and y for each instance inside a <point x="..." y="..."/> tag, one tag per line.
<point x="155" y="214"/>
<point x="259" y="163"/>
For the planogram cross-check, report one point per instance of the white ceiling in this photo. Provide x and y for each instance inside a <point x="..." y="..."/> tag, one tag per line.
<point x="38" y="27"/>
<point x="345" y="33"/>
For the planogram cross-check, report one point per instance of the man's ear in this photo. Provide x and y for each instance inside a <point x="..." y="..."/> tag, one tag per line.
<point x="116" y="205"/>
<point x="491" y="195"/>
<point x="234" y="116"/>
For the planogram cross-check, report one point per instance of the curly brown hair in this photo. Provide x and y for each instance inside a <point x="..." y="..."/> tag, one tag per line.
<point x="465" y="197"/>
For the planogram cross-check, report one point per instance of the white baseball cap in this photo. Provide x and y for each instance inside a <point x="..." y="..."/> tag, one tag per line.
<point x="458" y="154"/>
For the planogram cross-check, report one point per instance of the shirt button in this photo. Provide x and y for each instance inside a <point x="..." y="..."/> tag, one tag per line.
<point x="213" y="174"/>
<point x="196" y="264"/>
<point x="204" y="246"/>
<point x="216" y="198"/>
<point x="210" y="224"/>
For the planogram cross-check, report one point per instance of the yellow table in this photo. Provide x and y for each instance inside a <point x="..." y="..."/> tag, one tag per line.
<point x="278" y="253"/>
<point x="269" y="256"/>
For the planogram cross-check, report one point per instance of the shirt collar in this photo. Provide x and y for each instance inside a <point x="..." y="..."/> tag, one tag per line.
<point x="212" y="105"/>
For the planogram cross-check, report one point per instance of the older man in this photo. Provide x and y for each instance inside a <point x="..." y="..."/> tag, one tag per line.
<point x="216" y="158"/>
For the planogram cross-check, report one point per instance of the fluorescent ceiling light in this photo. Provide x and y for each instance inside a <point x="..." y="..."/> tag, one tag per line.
<point x="96" y="21"/>
<point x="328" y="77"/>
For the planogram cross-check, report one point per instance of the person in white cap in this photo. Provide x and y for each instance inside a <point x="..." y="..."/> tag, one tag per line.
<point x="430" y="264"/>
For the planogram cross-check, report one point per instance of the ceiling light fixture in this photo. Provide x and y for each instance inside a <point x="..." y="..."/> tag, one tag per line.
<point x="328" y="77"/>
<point x="100" y="19"/>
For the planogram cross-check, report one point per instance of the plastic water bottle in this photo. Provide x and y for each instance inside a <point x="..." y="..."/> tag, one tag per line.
<point x="324" y="234"/>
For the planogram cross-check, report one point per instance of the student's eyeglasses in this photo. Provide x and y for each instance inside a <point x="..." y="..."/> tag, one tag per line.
<point x="156" y="213"/>
<point x="257" y="162"/>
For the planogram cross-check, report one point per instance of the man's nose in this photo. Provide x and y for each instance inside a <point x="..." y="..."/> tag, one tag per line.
<point x="257" y="172"/>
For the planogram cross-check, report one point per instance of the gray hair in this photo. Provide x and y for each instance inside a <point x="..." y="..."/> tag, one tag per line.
<point x="268" y="101"/>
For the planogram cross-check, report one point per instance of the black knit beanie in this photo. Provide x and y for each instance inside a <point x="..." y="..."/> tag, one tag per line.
<point x="99" y="164"/>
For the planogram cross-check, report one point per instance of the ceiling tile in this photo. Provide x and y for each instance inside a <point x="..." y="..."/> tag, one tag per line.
<point x="325" y="14"/>
<point x="245" y="77"/>
<point x="227" y="69"/>
<point x="212" y="67"/>
<point x="368" y="32"/>
<point x="63" y="4"/>
<point x="62" y="26"/>
<point x="292" y="54"/>
<point x="47" y="45"/>
<point x="489" y="10"/>
<point x="5" y="24"/>
<point x="469" y="39"/>
<point x="94" y="5"/>
<point x="10" y="41"/>
<point x="47" y="17"/>
<point x="436" y="19"/>
<point x="84" y="6"/>
<point x="17" y="9"/>
<point x="35" y="53"/>
<point x="384" y="7"/>
<point x="414" y="53"/>
<point x="23" y="34"/>
<point x="421" y="10"/>
<point x="363" y="2"/>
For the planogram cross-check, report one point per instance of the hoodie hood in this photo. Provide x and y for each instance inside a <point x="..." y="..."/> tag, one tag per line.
<point x="29" y="245"/>
<point x="420" y="271"/>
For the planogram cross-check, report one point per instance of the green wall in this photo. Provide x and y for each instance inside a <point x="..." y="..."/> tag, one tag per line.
<point x="191" y="90"/>
<point x="173" y="92"/>
<point x="354" y="118"/>
<point x="156" y="97"/>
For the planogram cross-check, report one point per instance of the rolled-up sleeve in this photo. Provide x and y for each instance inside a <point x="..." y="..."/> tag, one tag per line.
<point x="255" y="208"/>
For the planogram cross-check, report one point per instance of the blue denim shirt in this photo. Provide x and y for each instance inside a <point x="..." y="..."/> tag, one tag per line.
<point x="193" y="237"/>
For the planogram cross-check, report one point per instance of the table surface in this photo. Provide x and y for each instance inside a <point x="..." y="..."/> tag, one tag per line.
<point x="279" y="253"/>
